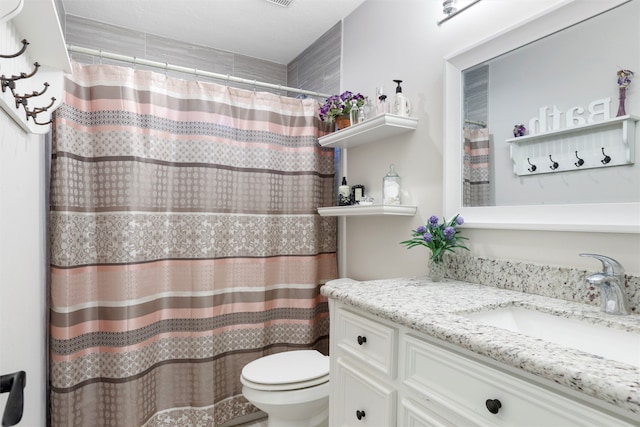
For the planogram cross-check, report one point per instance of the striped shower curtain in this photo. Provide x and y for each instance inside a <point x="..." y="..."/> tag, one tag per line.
<point x="184" y="243"/>
<point x="476" y="183"/>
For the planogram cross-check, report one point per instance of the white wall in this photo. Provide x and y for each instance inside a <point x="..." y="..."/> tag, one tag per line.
<point x="23" y="292"/>
<point x="399" y="39"/>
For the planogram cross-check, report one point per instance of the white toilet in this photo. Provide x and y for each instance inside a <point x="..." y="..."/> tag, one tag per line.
<point x="291" y="387"/>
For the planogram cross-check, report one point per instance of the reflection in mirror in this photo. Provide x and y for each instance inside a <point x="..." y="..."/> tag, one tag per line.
<point x="563" y="81"/>
<point x="569" y="77"/>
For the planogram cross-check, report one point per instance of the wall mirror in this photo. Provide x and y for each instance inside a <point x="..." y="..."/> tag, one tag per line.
<point x="563" y="60"/>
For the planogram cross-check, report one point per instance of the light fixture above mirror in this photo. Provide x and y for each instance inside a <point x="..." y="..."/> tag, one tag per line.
<point x="452" y="8"/>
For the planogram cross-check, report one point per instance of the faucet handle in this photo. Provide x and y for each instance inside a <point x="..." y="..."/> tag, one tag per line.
<point x="610" y="266"/>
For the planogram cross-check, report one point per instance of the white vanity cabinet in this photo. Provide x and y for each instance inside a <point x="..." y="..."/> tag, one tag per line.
<point x="384" y="374"/>
<point x="363" y="370"/>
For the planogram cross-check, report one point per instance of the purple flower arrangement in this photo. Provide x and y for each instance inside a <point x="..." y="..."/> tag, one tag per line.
<point x="338" y="105"/>
<point x="519" y="130"/>
<point x="438" y="237"/>
<point x="624" y="78"/>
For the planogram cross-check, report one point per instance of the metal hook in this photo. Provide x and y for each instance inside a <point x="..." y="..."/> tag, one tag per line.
<point x="254" y="85"/>
<point x="25" y="43"/>
<point x="533" y="167"/>
<point x="10" y="82"/>
<point x="606" y="159"/>
<point x="33" y="113"/>
<point x="100" y="57"/>
<point x="554" y="164"/>
<point x="580" y="161"/>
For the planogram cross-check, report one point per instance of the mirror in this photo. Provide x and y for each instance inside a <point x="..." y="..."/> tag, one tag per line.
<point x="490" y="83"/>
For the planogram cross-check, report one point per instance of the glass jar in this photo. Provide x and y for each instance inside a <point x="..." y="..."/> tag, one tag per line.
<point x="391" y="187"/>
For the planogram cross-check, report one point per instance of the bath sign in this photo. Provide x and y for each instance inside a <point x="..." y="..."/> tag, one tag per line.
<point x="551" y="118"/>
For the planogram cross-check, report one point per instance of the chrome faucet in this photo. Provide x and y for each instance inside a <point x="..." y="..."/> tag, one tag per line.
<point x="611" y="281"/>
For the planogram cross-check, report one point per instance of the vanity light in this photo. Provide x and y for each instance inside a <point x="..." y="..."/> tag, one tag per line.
<point x="453" y="7"/>
<point x="449" y="7"/>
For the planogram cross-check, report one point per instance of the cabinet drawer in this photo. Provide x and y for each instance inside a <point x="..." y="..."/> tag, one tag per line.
<point x="364" y="401"/>
<point x="438" y="377"/>
<point x="367" y="340"/>
<point x="416" y="415"/>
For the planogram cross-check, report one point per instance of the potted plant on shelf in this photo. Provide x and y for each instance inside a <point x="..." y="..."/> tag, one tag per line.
<point x="337" y="108"/>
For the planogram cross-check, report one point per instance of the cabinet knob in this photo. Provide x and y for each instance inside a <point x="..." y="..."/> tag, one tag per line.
<point x="361" y="340"/>
<point x="493" y="405"/>
<point x="360" y="414"/>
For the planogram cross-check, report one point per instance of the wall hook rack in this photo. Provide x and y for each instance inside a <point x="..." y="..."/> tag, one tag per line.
<point x="580" y="161"/>
<point x="25" y="43"/>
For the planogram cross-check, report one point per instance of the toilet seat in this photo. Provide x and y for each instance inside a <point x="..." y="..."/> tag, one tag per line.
<point x="290" y="370"/>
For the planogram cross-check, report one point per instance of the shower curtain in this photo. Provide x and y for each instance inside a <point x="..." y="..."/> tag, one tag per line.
<point x="184" y="243"/>
<point x="476" y="174"/>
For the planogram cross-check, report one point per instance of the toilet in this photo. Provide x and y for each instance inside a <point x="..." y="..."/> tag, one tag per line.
<point x="291" y="387"/>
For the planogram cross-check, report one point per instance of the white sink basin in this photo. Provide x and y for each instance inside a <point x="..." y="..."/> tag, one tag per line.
<point x="600" y="340"/>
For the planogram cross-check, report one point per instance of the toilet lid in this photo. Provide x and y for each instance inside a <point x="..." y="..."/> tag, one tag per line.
<point x="287" y="367"/>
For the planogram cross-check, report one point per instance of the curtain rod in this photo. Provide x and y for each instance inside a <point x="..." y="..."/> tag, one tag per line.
<point x="194" y="71"/>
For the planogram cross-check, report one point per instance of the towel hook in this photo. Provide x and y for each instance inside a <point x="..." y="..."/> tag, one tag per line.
<point x="533" y="167"/>
<point x="606" y="159"/>
<point x="25" y="43"/>
<point x="10" y="82"/>
<point x="580" y="161"/>
<point x="554" y="164"/>
<point x="22" y="99"/>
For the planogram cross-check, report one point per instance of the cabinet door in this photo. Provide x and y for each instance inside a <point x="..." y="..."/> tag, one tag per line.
<point x="361" y="401"/>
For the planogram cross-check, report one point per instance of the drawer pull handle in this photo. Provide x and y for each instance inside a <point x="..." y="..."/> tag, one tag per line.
<point x="360" y="414"/>
<point x="362" y="340"/>
<point x="493" y="405"/>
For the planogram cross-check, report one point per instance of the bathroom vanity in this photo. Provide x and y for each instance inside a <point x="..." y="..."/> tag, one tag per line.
<point x="409" y="352"/>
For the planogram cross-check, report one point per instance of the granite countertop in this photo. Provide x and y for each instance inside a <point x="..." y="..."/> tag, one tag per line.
<point x="433" y="309"/>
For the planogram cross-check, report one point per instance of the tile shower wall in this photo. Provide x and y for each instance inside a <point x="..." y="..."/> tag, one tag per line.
<point x="556" y="282"/>
<point x="316" y="69"/>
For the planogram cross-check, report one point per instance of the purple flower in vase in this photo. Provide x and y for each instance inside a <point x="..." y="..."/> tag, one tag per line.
<point x="519" y="130"/>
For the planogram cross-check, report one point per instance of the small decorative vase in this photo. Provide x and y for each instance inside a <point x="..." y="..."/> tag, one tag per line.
<point x="622" y="95"/>
<point x="437" y="270"/>
<point x="343" y="121"/>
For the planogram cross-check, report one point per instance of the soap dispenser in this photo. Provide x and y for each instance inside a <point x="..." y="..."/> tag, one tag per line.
<point x="344" y="193"/>
<point x="401" y="105"/>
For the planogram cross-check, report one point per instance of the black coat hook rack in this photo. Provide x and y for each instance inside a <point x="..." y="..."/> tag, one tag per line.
<point x="23" y="100"/>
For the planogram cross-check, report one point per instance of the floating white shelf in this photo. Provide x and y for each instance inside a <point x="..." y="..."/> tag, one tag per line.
<point x="380" y="127"/>
<point x="369" y="210"/>
<point x="602" y="144"/>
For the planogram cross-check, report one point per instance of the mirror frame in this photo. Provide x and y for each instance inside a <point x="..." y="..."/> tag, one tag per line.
<point x="594" y="217"/>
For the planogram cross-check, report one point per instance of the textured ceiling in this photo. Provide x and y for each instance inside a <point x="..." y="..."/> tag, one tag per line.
<point x="255" y="28"/>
